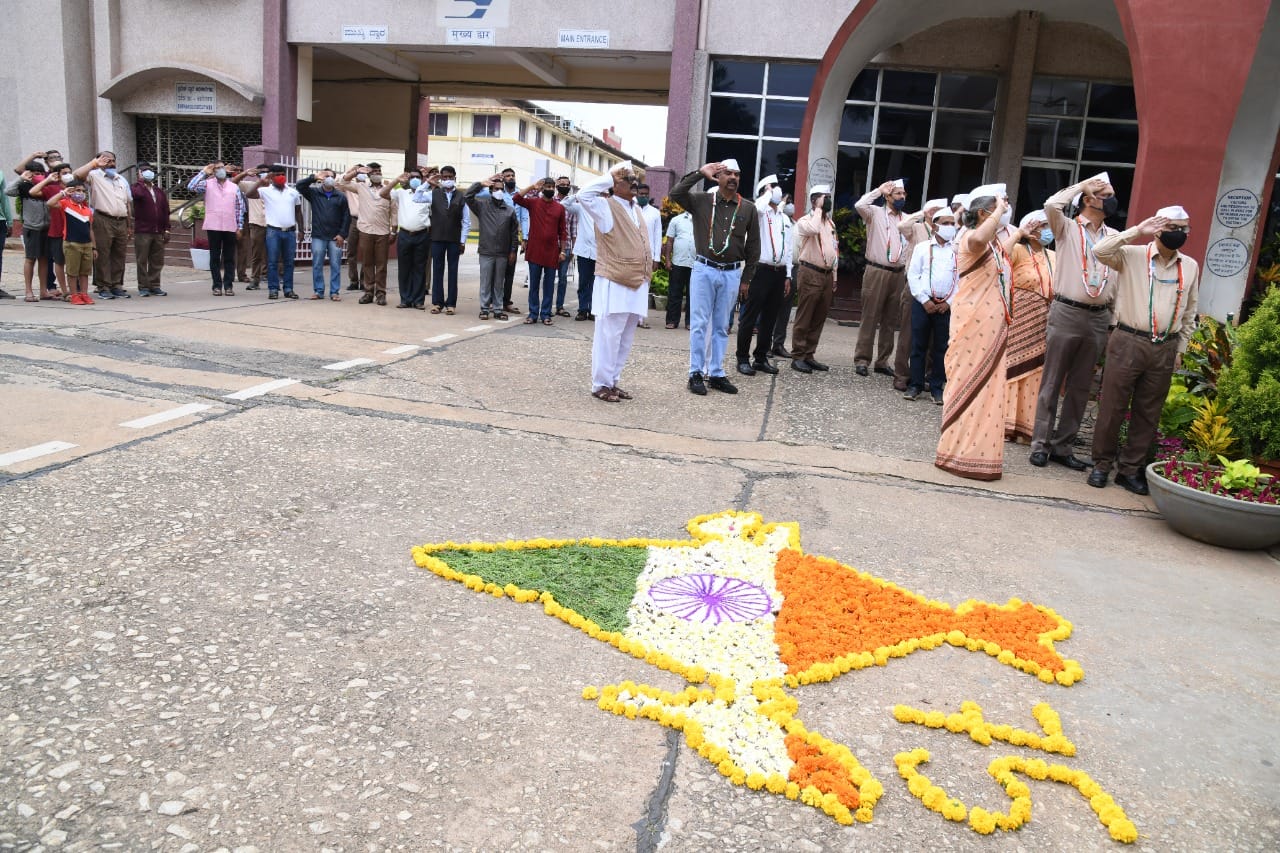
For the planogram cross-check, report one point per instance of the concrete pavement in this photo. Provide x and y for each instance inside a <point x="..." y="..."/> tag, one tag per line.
<point x="217" y="638"/>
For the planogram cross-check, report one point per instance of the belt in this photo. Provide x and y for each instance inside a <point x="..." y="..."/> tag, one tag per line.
<point x="716" y="265"/>
<point x="871" y="263"/>
<point x="278" y="228"/>
<point x="1085" y="305"/>
<point x="772" y="266"/>
<point x="108" y="215"/>
<point x="814" y="267"/>
<point x="1146" y="336"/>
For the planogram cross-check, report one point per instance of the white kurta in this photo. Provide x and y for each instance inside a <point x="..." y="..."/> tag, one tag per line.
<point x="609" y="297"/>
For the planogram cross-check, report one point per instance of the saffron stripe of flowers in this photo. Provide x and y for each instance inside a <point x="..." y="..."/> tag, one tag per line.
<point x="970" y="720"/>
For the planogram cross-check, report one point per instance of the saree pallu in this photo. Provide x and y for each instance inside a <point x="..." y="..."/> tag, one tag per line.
<point x="972" y="441"/>
<point x="1033" y="280"/>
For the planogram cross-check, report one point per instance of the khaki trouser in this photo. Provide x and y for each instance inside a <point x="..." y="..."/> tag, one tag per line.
<point x="111" y="237"/>
<point x="257" y="241"/>
<point x="148" y="252"/>
<point x="814" y="291"/>
<point x="1135" y="380"/>
<point x="1073" y="339"/>
<point x="881" y="310"/>
<point x="902" y="350"/>
<point x="373" y="263"/>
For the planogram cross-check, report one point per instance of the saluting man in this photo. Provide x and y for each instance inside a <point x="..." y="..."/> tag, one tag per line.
<point x="885" y="278"/>
<point x="918" y="229"/>
<point x="1157" y="290"/>
<point x="766" y="291"/>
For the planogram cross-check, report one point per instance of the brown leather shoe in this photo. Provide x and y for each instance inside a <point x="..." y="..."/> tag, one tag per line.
<point x="381" y="300"/>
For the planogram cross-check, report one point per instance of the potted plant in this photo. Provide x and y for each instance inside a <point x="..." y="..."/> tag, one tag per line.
<point x="1250" y="387"/>
<point x="1232" y="506"/>
<point x="200" y="253"/>
<point x="658" y="288"/>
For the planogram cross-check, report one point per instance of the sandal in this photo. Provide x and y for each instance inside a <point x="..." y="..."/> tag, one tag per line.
<point x="315" y="296"/>
<point x="622" y="395"/>
<point x="563" y="313"/>
<point x="670" y="326"/>
<point x="546" y="322"/>
<point x="499" y="315"/>
<point x="530" y="320"/>
<point x="335" y="298"/>
<point x="448" y="311"/>
<point x="30" y="298"/>
<point x="484" y="315"/>
<point x="605" y="394"/>
<point x="435" y="309"/>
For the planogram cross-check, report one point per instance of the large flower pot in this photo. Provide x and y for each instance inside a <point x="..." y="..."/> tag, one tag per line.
<point x="1217" y="520"/>
<point x="200" y="259"/>
<point x="660" y="302"/>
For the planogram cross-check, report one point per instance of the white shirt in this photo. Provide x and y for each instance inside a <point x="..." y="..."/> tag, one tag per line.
<point x="609" y="297"/>
<point x="653" y="218"/>
<point x="584" y="245"/>
<point x="680" y="230"/>
<point x="279" y="204"/>
<point x="413" y="211"/>
<point x="937" y="280"/>
<point x="775" y="236"/>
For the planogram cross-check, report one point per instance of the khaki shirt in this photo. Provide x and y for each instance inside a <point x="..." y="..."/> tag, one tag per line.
<point x="816" y="242"/>
<point x="353" y="201"/>
<point x="885" y="244"/>
<point x="1136" y="295"/>
<point x="377" y="214"/>
<point x="257" y="215"/>
<point x="1068" y="275"/>
<point x="111" y="196"/>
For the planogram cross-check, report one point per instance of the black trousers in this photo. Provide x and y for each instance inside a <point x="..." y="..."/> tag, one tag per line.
<point x="764" y="299"/>
<point x="930" y="334"/>
<point x="413" y="251"/>
<point x="678" y="295"/>
<point x="222" y="258"/>
<point x="507" y="284"/>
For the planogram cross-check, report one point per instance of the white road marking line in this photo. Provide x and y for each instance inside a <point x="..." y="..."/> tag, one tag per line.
<point x="170" y="415"/>
<point x="483" y="328"/>
<point x="354" y="362"/>
<point x="401" y="349"/>
<point x="7" y="459"/>
<point x="264" y="388"/>
<point x="438" y="338"/>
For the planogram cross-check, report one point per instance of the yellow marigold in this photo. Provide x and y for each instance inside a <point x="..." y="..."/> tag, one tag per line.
<point x="981" y="821"/>
<point x="755" y="781"/>
<point x="1021" y="810"/>
<point x="726" y="767"/>
<point x="934" y="797"/>
<point x="955" y="723"/>
<point x="956" y="637"/>
<point x="1036" y="769"/>
<point x="1005" y="657"/>
<point x="917" y="785"/>
<point x="863" y="815"/>
<point x="1124" y="831"/>
<point x="776" y="783"/>
<point x="792" y="791"/>
<point x="935" y="719"/>
<point x="739" y="776"/>
<point x="1018" y="789"/>
<point x="955" y="810"/>
<point x="590" y="693"/>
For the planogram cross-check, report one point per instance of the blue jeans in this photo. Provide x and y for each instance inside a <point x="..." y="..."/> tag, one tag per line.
<point x="543" y="278"/>
<point x="712" y="293"/>
<point x="319" y="249"/>
<point x="562" y="283"/>
<point x="586" y="281"/>
<point x="281" y="245"/>
<point x="442" y="250"/>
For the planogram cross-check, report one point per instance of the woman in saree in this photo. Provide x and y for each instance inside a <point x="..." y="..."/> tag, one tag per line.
<point x="1033" y="264"/>
<point x="972" y="442"/>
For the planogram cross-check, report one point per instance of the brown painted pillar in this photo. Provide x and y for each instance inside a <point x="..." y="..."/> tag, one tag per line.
<point x="279" y="86"/>
<point x="1009" y="136"/>
<point x="680" y="88"/>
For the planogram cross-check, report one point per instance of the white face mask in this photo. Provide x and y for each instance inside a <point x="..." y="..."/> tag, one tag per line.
<point x="789" y="210"/>
<point x="776" y="196"/>
<point x="946" y="232"/>
<point x="362" y="178"/>
<point x="499" y="195"/>
<point x="448" y="183"/>
<point x="1006" y="217"/>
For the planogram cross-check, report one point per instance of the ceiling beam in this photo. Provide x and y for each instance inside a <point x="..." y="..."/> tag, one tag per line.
<point x="383" y="60"/>
<point x="540" y="66"/>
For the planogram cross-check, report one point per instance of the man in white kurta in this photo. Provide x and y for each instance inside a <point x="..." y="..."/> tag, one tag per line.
<point x="619" y="306"/>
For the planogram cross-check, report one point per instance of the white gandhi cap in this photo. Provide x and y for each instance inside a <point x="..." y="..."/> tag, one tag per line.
<point x="961" y="199"/>
<point x="1176" y="212"/>
<point x="997" y="190"/>
<point x="1033" y="216"/>
<point x="731" y="164"/>
<point x="941" y="212"/>
<point x="821" y="189"/>
<point x="765" y="183"/>
<point x="1101" y="176"/>
<point x="934" y="203"/>
<point x="899" y="184"/>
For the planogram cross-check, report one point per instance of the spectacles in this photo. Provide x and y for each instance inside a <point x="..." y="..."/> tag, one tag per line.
<point x="1181" y="229"/>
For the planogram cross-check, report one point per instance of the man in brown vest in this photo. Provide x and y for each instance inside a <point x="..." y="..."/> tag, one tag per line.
<point x="624" y="264"/>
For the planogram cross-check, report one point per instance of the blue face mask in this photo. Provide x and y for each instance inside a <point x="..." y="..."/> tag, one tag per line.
<point x="414" y="183"/>
<point x="148" y="175"/>
<point x="1046" y="236"/>
<point x="110" y="171"/>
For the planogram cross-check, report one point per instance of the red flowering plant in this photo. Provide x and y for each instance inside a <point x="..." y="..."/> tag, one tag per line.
<point x="1238" y="479"/>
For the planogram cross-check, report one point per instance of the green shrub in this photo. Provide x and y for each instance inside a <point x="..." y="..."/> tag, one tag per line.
<point x="1179" y="410"/>
<point x="659" y="282"/>
<point x="1251" y="385"/>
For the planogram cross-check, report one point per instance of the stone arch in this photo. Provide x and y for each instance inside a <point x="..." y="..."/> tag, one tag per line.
<point x="125" y="84"/>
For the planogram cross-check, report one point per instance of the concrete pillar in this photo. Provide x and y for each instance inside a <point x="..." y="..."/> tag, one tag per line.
<point x="419" y="130"/>
<point x="680" y="91"/>
<point x="1009" y="135"/>
<point x="279" y="87"/>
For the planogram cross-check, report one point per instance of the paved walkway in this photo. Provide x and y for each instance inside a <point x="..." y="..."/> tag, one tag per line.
<point x="217" y="638"/>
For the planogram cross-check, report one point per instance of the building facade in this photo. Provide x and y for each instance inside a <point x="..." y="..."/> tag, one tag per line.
<point x="1176" y="99"/>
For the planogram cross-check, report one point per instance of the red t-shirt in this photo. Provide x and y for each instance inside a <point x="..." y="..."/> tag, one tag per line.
<point x="57" y="219"/>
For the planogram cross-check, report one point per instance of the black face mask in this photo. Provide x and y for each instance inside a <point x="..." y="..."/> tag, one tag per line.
<point x="548" y="193"/>
<point x="1173" y="239"/>
<point x="562" y="190"/>
<point x="826" y="205"/>
<point x="1110" y="206"/>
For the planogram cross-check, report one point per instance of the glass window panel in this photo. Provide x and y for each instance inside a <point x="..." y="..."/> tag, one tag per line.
<point x="1054" y="139"/>
<point x="968" y="92"/>
<point x="1055" y="97"/>
<point x="779" y="158"/>
<point x="963" y="132"/>
<point x="864" y="85"/>
<point x="890" y="164"/>
<point x="903" y="127"/>
<point x="908" y="87"/>
<point x="784" y="118"/>
<point x="1109" y="100"/>
<point x="857" y="122"/>
<point x="743" y="78"/>
<point x="742" y="150"/>
<point x="852" y="165"/>
<point x="438" y="124"/>
<point x="955" y="173"/>
<point x="735" y="115"/>
<point x="1113" y="143"/>
<point x="1037" y="184"/>
<point x="791" y="79"/>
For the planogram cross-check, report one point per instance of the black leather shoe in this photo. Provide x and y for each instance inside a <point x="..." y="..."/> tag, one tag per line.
<point x="884" y="371"/>
<point x="355" y="287"/>
<point x="801" y="366"/>
<point x="816" y="365"/>
<point x="861" y="370"/>
<point x="1097" y="478"/>
<point x="1039" y="458"/>
<point x="366" y="299"/>
<point x="746" y="369"/>
<point x="254" y="286"/>
<point x="1133" y="484"/>
<point x="722" y="383"/>
<point x="780" y="352"/>
<point x="1071" y="462"/>
<point x="764" y="367"/>
<point x="696" y="385"/>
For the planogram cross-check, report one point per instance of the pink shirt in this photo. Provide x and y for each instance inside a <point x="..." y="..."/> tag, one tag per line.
<point x="220" y="205"/>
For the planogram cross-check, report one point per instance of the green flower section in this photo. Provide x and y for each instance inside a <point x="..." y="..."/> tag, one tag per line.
<point x="598" y="583"/>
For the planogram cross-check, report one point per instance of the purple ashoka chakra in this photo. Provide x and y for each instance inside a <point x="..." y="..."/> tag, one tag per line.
<point x="710" y="598"/>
